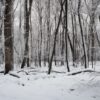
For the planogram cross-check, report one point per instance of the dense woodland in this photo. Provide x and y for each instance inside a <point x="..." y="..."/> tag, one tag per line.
<point x="49" y="32"/>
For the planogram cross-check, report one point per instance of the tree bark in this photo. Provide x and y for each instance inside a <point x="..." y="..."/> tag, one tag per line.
<point x="8" y="35"/>
<point x="66" y="33"/>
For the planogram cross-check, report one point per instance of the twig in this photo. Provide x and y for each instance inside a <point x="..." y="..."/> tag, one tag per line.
<point x="14" y="75"/>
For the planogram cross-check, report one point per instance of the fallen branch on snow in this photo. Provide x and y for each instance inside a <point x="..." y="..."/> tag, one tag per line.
<point x="58" y="72"/>
<point x="14" y="75"/>
<point x="79" y="72"/>
<point x="1" y="71"/>
<point x="24" y="72"/>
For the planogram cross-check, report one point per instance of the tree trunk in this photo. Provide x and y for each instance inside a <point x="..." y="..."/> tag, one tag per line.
<point x="1" y="27"/>
<point x="40" y="33"/>
<point x="48" y="31"/>
<point x="81" y="30"/>
<point x="27" y="13"/>
<point x="66" y="33"/>
<point x="55" y="36"/>
<point x="8" y="34"/>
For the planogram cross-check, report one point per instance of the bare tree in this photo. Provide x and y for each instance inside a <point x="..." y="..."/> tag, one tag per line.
<point x="55" y="37"/>
<point x="82" y="36"/>
<point x="66" y="33"/>
<point x="27" y="13"/>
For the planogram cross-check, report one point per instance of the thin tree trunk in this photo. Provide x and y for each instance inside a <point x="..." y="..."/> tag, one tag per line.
<point x="48" y="31"/>
<point x="40" y="33"/>
<point x="66" y="34"/>
<point x="62" y="46"/>
<point x="55" y="46"/>
<point x="55" y="36"/>
<point x="1" y="27"/>
<point x="81" y="30"/>
<point x="27" y="13"/>
<point x="73" y="32"/>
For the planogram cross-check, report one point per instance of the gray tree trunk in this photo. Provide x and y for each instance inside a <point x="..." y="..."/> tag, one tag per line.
<point x="66" y="34"/>
<point x="82" y="36"/>
<point x="27" y="13"/>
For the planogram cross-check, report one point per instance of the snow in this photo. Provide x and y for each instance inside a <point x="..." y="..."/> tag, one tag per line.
<point x="37" y="85"/>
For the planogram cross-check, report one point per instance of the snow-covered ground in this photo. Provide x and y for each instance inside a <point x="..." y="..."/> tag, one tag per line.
<point x="35" y="84"/>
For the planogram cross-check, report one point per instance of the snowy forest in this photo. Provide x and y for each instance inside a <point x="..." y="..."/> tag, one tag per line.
<point x="50" y="49"/>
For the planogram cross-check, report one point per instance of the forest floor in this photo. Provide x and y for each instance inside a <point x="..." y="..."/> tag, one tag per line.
<point x="35" y="84"/>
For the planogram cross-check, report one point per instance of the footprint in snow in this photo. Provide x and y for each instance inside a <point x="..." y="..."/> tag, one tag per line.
<point x="72" y="90"/>
<point x="93" y="96"/>
<point x="21" y="84"/>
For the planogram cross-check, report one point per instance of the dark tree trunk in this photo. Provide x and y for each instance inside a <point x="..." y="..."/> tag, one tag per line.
<point x="73" y="39"/>
<point x="8" y="36"/>
<point x="55" y="36"/>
